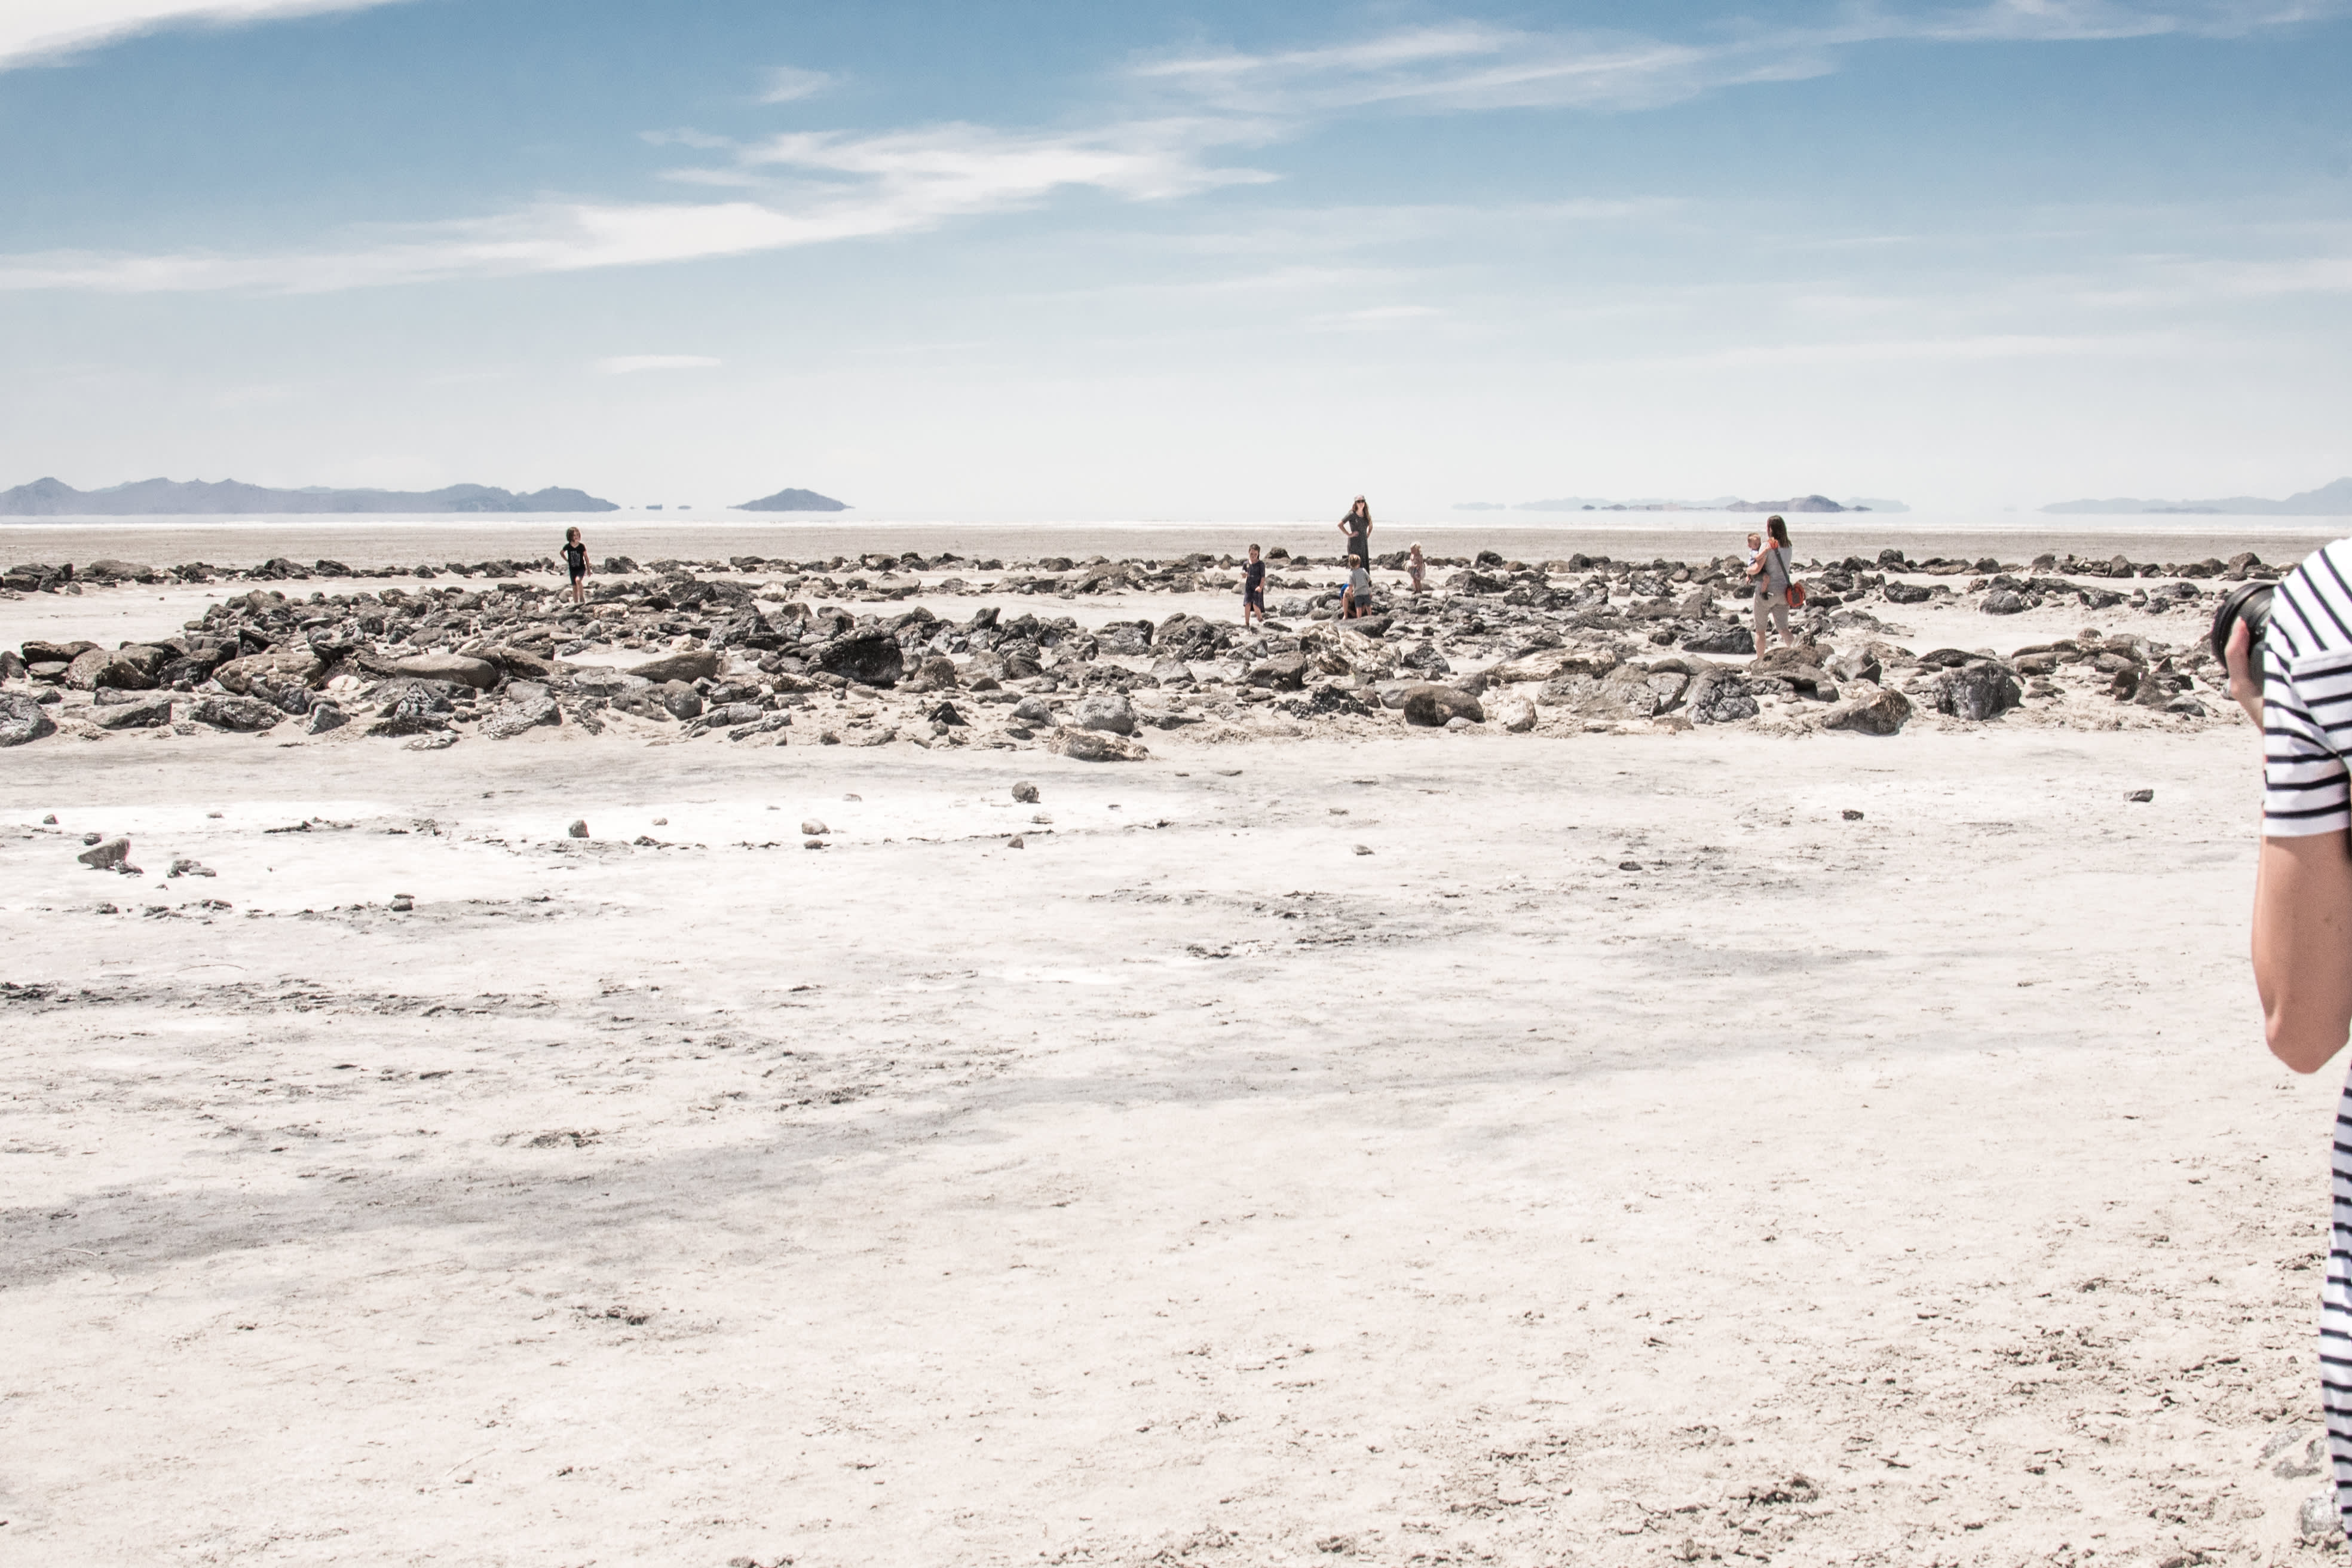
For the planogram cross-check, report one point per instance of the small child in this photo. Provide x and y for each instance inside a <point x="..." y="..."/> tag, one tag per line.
<point x="1356" y="600"/>
<point x="1417" y="567"/>
<point x="1253" y="589"/>
<point x="575" y="560"/>
<point x="1755" y="548"/>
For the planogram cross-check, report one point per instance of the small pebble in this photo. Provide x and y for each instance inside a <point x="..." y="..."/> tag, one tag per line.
<point x="813" y="828"/>
<point x="1016" y="842"/>
<point x="1025" y="793"/>
<point x="578" y="830"/>
<point x="1363" y="848"/>
<point x="811" y="843"/>
<point x="2141" y="795"/>
<point x="401" y="904"/>
<point x="1850" y="815"/>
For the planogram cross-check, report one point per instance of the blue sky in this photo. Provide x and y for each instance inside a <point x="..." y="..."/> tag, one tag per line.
<point x="1071" y="260"/>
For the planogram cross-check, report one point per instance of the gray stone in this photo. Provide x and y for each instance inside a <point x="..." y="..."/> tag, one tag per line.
<point x="1033" y="710"/>
<point x="1726" y="636"/>
<point x="1858" y="664"/>
<point x="1519" y="717"/>
<point x="813" y="828"/>
<point x="296" y="666"/>
<point x="1905" y="594"/>
<point x="1720" y="697"/>
<point x="516" y="718"/>
<point x="578" y="829"/>
<point x="1172" y="672"/>
<point x="2004" y="601"/>
<point x="108" y="855"/>
<point x="439" y="741"/>
<point x="23" y="719"/>
<point x="1098" y="746"/>
<point x="1980" y="690"/>
<point x="872" y="656"/>
<point x="457" y="669"/>
<point x="682" y="700"/>
<point x="242" y="714"/>
<point x="1106" y="710"/>
<point x="184" y="867"/>
<point x="1026" y="794"/>
<point x="1870" y="710"/>
<point x="1283" y="672"/>
<point x="1432" y="706"/>
<point x="142" y="714"/>
<point x="690" y="664"/>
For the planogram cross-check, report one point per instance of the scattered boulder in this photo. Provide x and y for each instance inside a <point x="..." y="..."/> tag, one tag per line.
<point x="871" y="656"/>
<point x="1720" y="697"/>
<point x="184" y="867"/>
<point x="242" y="714"/>
<point x="296" y="666"/>
<point x="325" y="716"/>
<point x="518" y="716"/>
<point x="2004" y="601"/>
<point x="681" y="700"/>
<point x="1026" y="794"/>
<point x="140" y="714"/>
<point x="578" y="829"/>
<point x="1097" y="746"/>
<point x="457" y="669"/>
<point x="813" y="828"/>
<point x="1983" y="689"/>
<point x="1432" y="706"/>
<point x="1283" y="672"/>
<point x="1869" y="710"/>
<point x="109" y="855"/>
<point x="690" y="664"/>
<point x="23" y="719"/>
<point x="1106" y="710"/>
<point x="1519" y="717"/>
<point x="1905" y="594"/>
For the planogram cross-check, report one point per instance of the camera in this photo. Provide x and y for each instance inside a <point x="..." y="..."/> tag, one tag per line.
<point x="2250" y="602"/>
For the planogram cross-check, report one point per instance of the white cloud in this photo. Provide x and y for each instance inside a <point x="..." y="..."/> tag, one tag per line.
<point x="629" y="364"/>
<point x="863" y="187"/>
<point x="1376" y="317"/>
<point x="1474" y="66"/>
<point x="34" y="32"/>
<point x="786" y="83"/>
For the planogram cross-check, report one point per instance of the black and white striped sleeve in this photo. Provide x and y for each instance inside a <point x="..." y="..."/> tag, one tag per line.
<point x="2307" y="700"/>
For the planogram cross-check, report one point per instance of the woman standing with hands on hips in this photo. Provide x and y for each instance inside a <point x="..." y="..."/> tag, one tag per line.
<point x="1358" y="526"/>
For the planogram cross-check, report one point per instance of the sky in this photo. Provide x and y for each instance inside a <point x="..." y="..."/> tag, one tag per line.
<point x="1063" y="260"/>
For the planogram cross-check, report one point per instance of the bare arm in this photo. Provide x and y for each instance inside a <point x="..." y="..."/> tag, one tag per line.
<point x="2303" y="936"/>
<point x="2302" y="919"/>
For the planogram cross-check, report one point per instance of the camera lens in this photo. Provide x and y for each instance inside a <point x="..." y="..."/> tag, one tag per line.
<point x="2250" y="602"/>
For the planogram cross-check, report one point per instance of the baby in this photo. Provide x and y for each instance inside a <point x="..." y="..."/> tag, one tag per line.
<point x="1755" y="548"/>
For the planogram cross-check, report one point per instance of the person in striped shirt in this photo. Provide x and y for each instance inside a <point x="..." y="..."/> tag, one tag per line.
<point x="2303" y="897"/>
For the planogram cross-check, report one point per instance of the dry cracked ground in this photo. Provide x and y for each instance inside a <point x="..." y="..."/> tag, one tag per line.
<point x="1423" y="1150"/>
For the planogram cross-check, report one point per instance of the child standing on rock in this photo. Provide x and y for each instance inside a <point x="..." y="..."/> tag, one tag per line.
<point x="575" y="560"/>
<point x="1253" y="589"/>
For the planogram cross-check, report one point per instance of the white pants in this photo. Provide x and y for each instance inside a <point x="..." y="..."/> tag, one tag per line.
<point x="1775" y="606"/>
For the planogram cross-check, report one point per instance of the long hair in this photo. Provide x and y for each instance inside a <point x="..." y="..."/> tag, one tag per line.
<point x="1361" y="509"/>
<point x="1776" y="529"/>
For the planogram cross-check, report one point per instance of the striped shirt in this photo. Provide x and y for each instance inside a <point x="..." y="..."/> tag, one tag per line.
<point x="2307" y="699"/>
<point x="2306" y="731"/>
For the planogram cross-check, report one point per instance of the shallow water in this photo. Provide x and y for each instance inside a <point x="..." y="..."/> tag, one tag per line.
<point x="373" y="541"/>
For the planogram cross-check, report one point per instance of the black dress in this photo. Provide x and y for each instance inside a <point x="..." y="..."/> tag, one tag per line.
<point x="1360" y="537"/>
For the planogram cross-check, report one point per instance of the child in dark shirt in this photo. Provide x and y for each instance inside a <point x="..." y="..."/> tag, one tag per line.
<point x="575" y="560"/>
<point x="1253" y="589"/>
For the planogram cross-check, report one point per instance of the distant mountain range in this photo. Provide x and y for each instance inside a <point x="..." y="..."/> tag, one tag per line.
<point x="2327" y="500"/>
<point x="1720" y="503"/>
<point x="200" y="498"/>
<point x="792" y="500"/>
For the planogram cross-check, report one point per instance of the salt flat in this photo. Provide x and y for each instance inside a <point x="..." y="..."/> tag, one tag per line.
<point x="1630" y="1159"/>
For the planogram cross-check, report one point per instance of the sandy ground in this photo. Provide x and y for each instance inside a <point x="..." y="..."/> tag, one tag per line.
<point x="1629" y="1160"/>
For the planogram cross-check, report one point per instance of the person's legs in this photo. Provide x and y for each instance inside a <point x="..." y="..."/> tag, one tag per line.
<point x="1780" y="624"/>
<point x="1757" y="615"/>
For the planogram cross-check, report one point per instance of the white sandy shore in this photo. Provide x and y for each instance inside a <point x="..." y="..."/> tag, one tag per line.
<point x="1185" y="1186"/>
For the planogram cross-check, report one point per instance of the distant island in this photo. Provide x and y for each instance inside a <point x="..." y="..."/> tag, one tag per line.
<point x="1720" y="503"/>
<point x="2327" y="500"/>
<point x="200" y="498"/>
<point x="792" y="500"/>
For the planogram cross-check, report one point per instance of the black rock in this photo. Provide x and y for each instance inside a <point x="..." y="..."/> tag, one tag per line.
<point x="23" y="718"/>
<point x="870" y="655"/>
<point x="1980" y="690"/>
